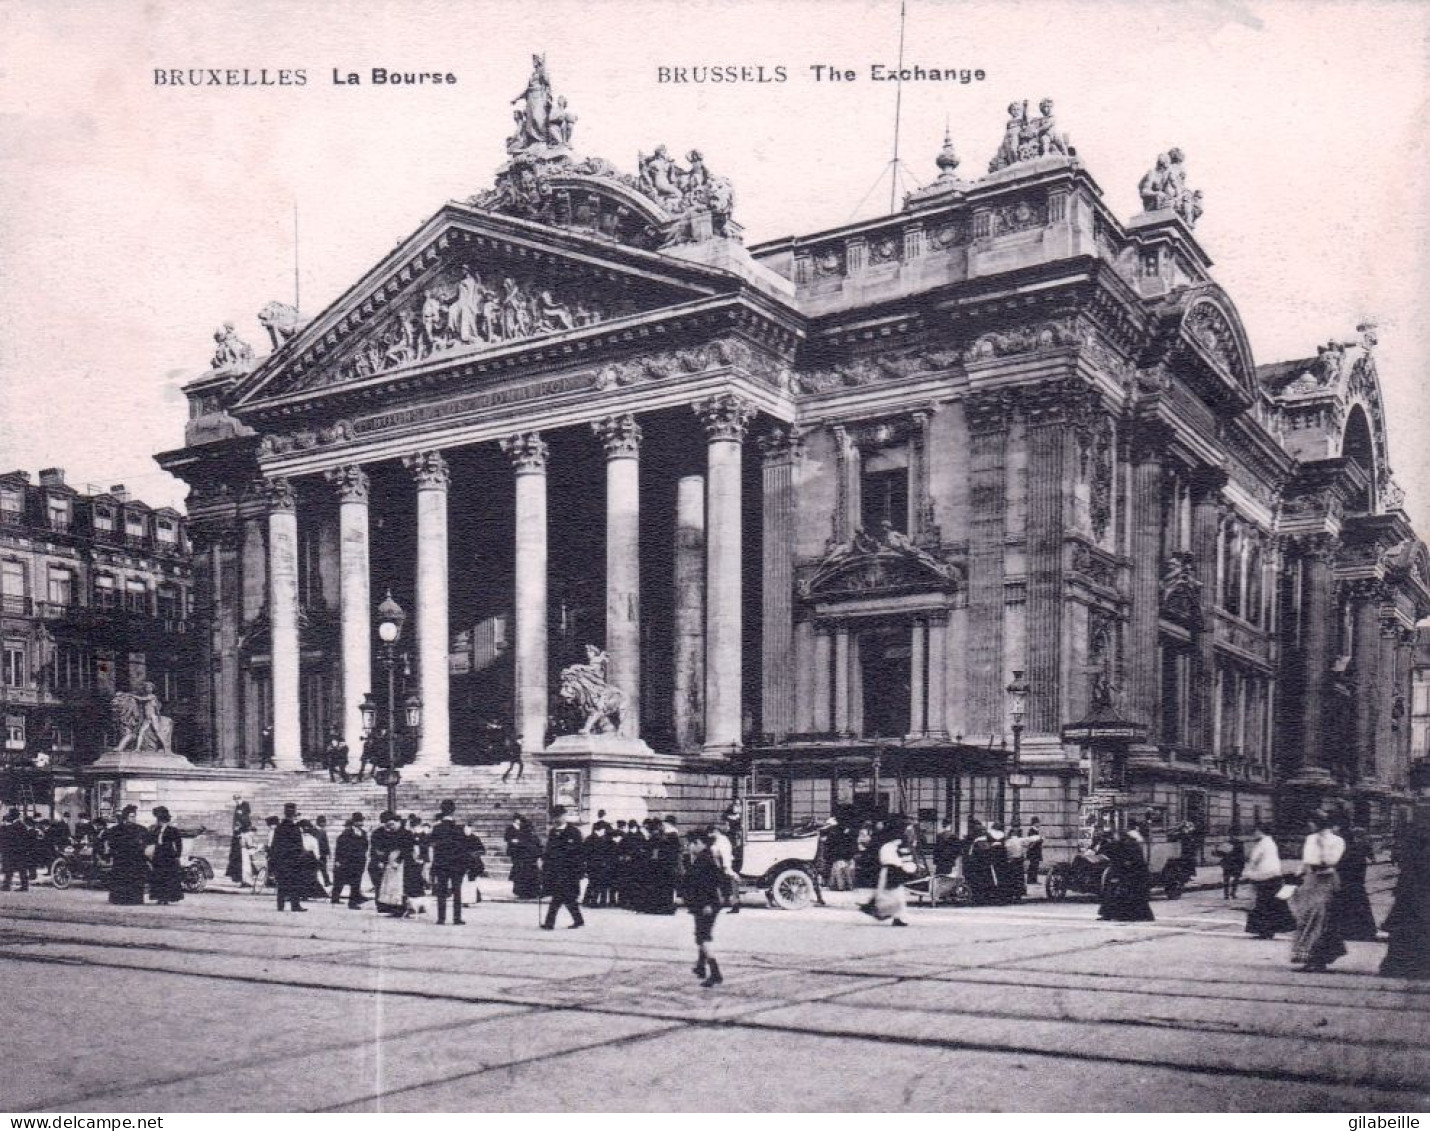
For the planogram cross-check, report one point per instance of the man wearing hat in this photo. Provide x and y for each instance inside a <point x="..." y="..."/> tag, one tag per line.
<point x="561" y="868"/>
<point x="14" y="850"/>
<point x="285" y="860"/>
<point x="349" y="858"/>
<point x="447" y="843"/>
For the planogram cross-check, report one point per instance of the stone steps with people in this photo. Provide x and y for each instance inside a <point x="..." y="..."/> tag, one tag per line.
<point x="482" y="799"/>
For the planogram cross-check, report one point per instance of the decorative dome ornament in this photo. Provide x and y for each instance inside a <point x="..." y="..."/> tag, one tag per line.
<point x="947" y="160"/>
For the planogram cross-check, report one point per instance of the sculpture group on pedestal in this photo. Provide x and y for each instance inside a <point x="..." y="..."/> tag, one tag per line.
<point x="141" y="726"/>
<point x="586" y="687"/>
<point x="1165" y="186"/>
<point x="231" y="352"/>
<point x="1026" y="138"/>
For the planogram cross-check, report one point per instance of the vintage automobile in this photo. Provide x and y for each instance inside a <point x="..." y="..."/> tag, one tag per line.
<point x="784" y="867"/>
<point x="84" y="866"/>
<point x="1087" y="872"/>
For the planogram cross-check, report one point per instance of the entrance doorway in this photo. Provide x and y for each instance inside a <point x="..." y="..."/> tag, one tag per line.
<point x="884" y="661"/>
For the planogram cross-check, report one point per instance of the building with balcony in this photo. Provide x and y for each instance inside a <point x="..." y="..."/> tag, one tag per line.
<point x="95" y="597"/>
<point x="817" y="501"/>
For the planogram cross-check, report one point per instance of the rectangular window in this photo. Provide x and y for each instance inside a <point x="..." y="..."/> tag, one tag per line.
<point x="136" y="596"/>
<point x="14" y="732"/>
<point x="1171" y="696"/>
<point x="12" y="587"/>
<point x="12" y="505"/>
<point x="60" y="589"/>
<point x="73" y="668"/>
<point x="103" y="519"/>
<point x="167" y="531"/>
<point x="170" y="603"/>
<point x="104" y="592"/>
<point x="134" y="525"/>
<point x="884" y="499"/>
<point x="13" y="667"/>
<point x="59" y="514"/>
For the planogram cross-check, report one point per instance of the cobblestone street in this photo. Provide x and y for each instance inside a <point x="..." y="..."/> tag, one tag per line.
<point x="225" y="1004"/>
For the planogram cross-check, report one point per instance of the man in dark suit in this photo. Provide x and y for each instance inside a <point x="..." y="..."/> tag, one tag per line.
<point x="336" y="757"/>
<point x="348" y="862"/>
<point x="451" y="858"/>
<point x="14" y="850"/>
<point x="325" y="850"/>
<point x="285" y="859"/>
<point x="562" y="867"/>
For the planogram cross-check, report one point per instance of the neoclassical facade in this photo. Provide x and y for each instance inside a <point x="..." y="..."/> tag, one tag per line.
<point x="817" y="500"/>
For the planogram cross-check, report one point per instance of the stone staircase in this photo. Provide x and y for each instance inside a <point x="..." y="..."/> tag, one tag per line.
<point x="481" y="797"/>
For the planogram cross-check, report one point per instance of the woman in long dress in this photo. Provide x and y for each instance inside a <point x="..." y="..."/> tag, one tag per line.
<point x="242" y="822"/>
<point x="1408" y="955"/>
<point x="165" y="846"/>
<point x="393" y="844"/>
<point x="130" y="867"/>
<point x="1126" y="896"/>
<point x="1268" y="915"/>
<point x="523" y="847"/>
<point x="1318" y="934"/>
<point x="1352" y="904"/>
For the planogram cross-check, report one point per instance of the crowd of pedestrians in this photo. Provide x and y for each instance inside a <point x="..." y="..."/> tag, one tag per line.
<point x="647" y="866"/>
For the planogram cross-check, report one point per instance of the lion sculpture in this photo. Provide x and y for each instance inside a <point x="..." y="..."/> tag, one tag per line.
<point x="281" y="321"/>
<point x="141" y="726"/>
<point x="585" y="687"/>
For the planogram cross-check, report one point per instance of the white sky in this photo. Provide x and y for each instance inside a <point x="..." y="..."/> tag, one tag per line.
<point x="135" y="218"/>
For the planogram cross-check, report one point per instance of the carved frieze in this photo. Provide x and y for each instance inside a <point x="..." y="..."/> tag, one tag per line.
<point x="697" y="359"/>
<point x="1018" y="216"/>
<point x="1096" y="566"/>
<point x="1024" y="339"/>
<point x="862" y="371"/>
<point x="304" y="439"/>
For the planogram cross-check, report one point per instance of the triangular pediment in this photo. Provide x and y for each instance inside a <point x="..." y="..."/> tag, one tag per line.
<point x="470" y="283"/>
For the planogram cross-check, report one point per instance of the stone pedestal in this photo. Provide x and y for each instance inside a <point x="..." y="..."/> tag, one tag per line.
<point x="138" y="761"/>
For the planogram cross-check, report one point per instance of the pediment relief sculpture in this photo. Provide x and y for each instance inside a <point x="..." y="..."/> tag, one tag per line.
<point x="887" y="562"/>
<point x="1208" y="326"/>
<point x="461" y="311"/>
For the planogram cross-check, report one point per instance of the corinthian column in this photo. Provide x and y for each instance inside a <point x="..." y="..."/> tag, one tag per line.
<point x="527" y="452"/>
<point x="781" y="448"/>
<point x="725" y="418"/>
<point x="353" y="594"/>
<point x="621" y="436"/>
<point x="688" y="685"/>
<point x="429" y="470"/>
<point x="283" y="622"/>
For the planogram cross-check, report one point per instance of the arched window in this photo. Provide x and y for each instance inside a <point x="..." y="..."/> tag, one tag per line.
<point x="1356" y="445"/>
<point x="1254" y="572"/>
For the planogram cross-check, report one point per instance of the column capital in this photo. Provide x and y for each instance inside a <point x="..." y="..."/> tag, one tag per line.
<point x="782" y="444"/>
<point x="350" y="483"/>
<point x="429" y="469"/>
<point x="621" y="435"/>
<point x="277" y="493"/>
<point x="527" y="452"/>
<point x="725" y="416"/>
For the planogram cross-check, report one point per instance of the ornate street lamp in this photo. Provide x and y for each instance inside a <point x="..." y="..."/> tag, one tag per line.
<point x="390" y="619"/>
<point x="1017" y="692"/>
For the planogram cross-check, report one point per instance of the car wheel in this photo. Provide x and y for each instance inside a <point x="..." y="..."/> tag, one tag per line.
<point x="792" y="889"/>
<point x="1056" y="885"/>
<point x="60" y="875"/>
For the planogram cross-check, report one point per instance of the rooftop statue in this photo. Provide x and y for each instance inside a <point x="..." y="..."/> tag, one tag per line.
<point x="281" y="320"/>
<point x="1025" y="138"/>
<point x="541" y="119"/>
<point x="1165" y="187"/>
<point x="232" y="352"/>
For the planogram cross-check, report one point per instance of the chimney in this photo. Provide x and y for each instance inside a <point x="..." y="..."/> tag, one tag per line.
<point x="52" y="477"/>
<point x="120" y="492"/>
